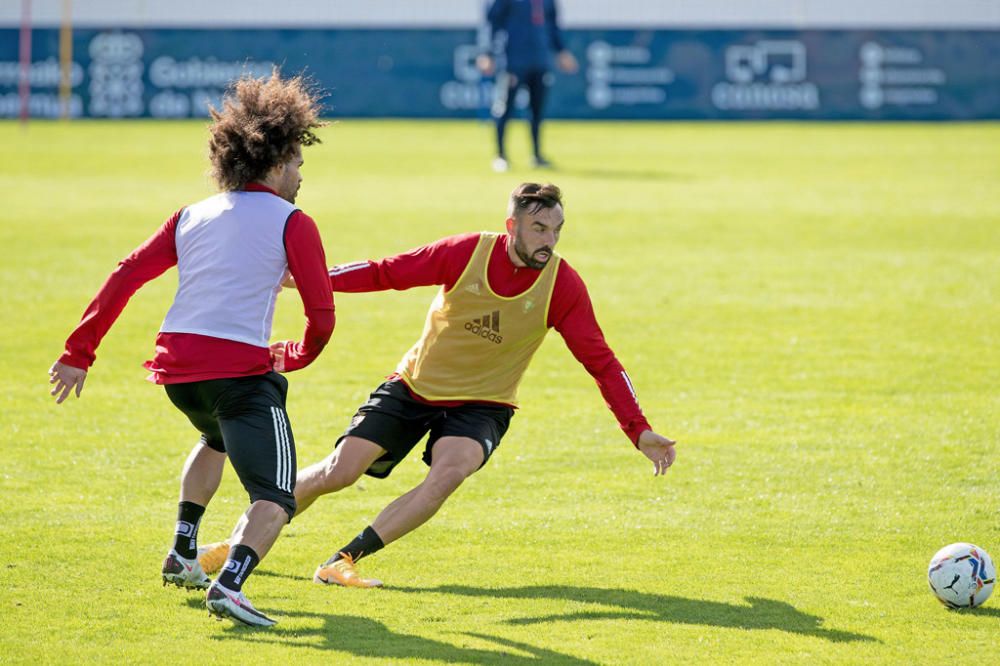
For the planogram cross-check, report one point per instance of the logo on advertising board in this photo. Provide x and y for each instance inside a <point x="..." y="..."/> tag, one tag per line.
<point x="624" y="76"/>
<point x="188" y="87"/>
<point x="116" y="68"/>
<point x="896" y="75"/>
<point x="468" y="89"/>
<point x="768" y="75"/>
<point x="44" y="79"/>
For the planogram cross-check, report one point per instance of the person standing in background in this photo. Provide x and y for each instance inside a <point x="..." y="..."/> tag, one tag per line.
<point x="524" y="35"/>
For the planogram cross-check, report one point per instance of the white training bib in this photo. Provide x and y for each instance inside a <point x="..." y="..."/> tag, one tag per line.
<point x="231" y="262"/>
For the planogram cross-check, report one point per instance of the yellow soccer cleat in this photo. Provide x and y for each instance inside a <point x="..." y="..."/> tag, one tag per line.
<point x="343" y="572"/>
<point x="212" y="556"/>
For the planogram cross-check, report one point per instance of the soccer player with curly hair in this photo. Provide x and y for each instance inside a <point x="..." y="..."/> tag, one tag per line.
<point x="213" y="354"/>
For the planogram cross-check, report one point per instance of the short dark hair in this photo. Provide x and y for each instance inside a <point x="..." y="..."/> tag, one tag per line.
<point x="532" y="197"/>
<point x="261" y="122"/>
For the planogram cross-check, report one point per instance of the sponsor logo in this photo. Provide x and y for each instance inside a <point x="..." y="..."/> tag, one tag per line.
<point x="184" y="528"/>
<point x="468" y="89"/>
<point x="486" y="327"/>
<point x="624" y="76"/>
<point x="767" y="75"/>
<point x="237" y="568"/>
<point x="896" y="76"/>
<point x="116" y="81"/>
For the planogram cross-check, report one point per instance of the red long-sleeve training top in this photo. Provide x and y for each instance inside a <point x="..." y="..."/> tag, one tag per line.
<point x="570" y="310"/>
<point x="189" y="357"/>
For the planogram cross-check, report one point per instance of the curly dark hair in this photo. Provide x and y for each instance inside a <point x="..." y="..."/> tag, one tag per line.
<point x="259" y="126"/>
<point x="532" y="197"/>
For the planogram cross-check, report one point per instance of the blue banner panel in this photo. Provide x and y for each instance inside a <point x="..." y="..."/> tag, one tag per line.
<point x="724" y="74"/>
<point x="624" y="74"/>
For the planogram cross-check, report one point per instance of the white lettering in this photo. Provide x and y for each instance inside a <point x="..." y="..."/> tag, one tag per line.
<point x="44" y="74"/>
<point x="631" y="75"/>
<point x="601" y="53"/>
<point x="873" y="54"/>
<point x="458" y="95"/>
<point x="165" y="72"/>
<point x="909" y="96"/>
<point x="169" y="104"/>
<point x="45" y="105"/>
<point x="765" y="96"/>
<point x="902" y="77"/>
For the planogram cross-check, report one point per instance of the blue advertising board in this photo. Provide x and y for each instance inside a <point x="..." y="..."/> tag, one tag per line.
<point x="624" y="74"/>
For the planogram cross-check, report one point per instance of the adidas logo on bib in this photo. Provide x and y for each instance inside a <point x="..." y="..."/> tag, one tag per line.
<point x="486" y="327"/>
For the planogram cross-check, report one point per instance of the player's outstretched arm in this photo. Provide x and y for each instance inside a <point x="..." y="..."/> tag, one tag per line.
<point x="149" y="260"/>
<point x="659" y="449"/>
<point x="66" y="378"/>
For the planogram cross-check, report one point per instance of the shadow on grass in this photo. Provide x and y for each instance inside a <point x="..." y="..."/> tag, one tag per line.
<point x="977" y="612"/>
<point x="266" y="573"/>
<point x="364" y="637"/>
<point x="632" y="605"/>
<point x="623" y="174"/>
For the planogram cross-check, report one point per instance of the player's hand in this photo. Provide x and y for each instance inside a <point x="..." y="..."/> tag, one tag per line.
<point x="567" y="62"/>
<point x="66" y="378"/>
<point x="659" y="449"/>
<point x="288" y="282"/>
<point x="278" y="356"/>
<point x="485" y="64"/>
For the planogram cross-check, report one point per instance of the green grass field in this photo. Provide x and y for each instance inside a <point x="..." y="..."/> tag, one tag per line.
<point x="811" y="310"/>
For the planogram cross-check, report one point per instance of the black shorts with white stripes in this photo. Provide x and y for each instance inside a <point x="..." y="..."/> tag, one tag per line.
<point x="245" y="418"/>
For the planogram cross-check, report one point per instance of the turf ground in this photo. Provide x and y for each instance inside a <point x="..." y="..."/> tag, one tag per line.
<point x="812" y="310"/>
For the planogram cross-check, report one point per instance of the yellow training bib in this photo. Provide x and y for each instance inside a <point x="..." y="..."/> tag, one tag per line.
<point x="476" y="344"/>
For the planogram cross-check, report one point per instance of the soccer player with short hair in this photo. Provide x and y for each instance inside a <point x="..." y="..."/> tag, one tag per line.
<point x="232" y="252"/>
<point x="500" y="294"/>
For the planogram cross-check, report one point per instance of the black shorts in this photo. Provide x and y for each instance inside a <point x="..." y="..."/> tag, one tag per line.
<point x="245" y="418"/>
<point x="396" y="421"/>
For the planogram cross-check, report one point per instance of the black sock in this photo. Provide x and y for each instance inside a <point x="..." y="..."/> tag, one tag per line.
<point x="242" y="561"/>
<point x="186" y="533"/>
<point x="366" y="543"/>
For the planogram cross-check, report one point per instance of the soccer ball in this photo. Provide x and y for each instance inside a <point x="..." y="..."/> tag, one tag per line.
<point x="961" y="575"/>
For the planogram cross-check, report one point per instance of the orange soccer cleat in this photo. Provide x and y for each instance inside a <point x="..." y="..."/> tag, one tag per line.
<point x="212" y="556"/>
<point x="342" y="572"/>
